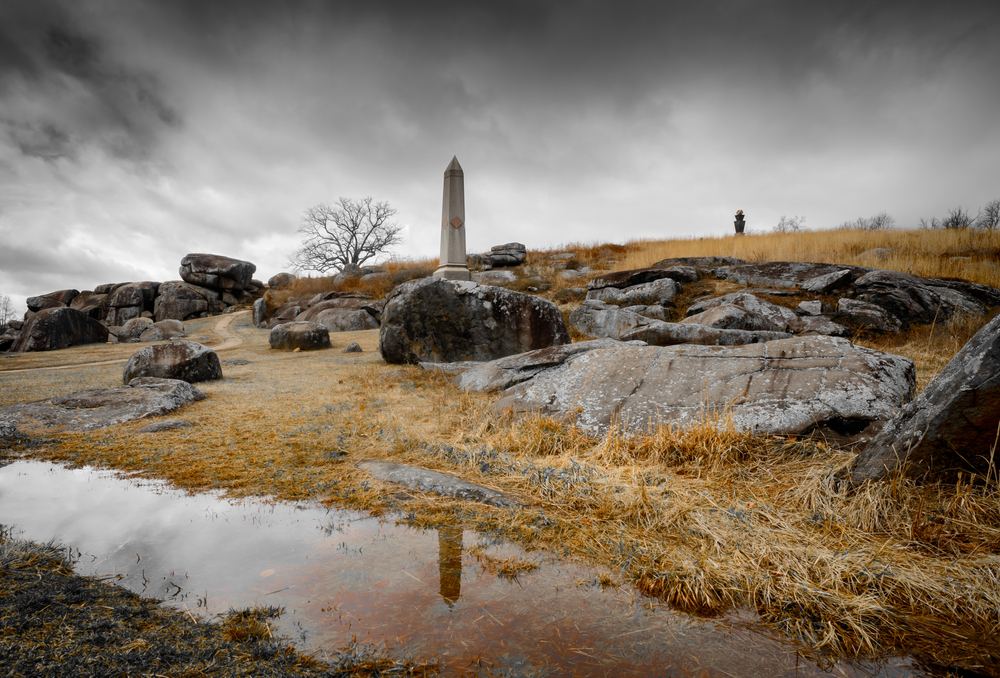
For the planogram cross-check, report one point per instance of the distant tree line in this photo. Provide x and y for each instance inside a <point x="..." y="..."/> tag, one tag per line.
<point x="987" y="219"/>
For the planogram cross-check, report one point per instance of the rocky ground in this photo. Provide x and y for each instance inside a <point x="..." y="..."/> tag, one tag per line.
<point x="709" y="518"/>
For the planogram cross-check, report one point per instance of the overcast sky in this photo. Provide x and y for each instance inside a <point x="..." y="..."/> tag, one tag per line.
<point x="134" y="131"/>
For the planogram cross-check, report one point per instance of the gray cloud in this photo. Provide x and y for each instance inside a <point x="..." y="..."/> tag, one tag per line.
<point x="150" y="129"/>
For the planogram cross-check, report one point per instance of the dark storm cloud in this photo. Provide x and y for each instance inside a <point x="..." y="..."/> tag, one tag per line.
<point x="62" y="89"/>
<point x="150" y="129"/>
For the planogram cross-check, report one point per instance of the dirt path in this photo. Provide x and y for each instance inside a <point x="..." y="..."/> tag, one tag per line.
<point x="230" y="340"/>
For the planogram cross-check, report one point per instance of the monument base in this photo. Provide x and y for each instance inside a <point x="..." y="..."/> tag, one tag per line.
<point x="453" y="272"/>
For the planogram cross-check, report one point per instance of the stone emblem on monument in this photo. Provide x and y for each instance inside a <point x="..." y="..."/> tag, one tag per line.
<point x="453" y="265"/>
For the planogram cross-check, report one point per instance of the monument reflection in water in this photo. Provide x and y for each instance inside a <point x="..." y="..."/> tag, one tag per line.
<point x="450" y="562"/>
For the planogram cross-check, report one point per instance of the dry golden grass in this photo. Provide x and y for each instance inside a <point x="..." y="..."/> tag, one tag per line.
<point x="923" y="253"/>
<point x="397" y="271"/>
<point x="708" y="518"/>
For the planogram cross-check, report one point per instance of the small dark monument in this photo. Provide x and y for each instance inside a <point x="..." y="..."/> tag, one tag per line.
<point x="739" y="224"/>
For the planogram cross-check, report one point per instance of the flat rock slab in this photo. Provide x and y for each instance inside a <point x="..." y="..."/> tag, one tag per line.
<point x="795" y="386"/>
<point x="99" y="408"/>
<point x="165" y="425"/>
<point x="439" y="483"/>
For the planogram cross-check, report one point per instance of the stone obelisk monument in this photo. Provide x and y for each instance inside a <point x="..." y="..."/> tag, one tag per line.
<point x="453" y="265"/>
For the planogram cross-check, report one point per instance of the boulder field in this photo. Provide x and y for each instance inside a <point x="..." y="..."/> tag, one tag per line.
<point x="209" y="285"/>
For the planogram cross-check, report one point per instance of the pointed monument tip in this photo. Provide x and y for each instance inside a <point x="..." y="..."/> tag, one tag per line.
<point x="453" y="165"/>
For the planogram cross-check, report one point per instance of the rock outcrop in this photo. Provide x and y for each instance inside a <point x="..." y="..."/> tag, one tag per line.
<point x="799" y="385"/>
<point x="100" y="408"/>
<point x="660" y="333"/>
<point x="438" y="320"/>
<point x="213" y="270"/>
<point x="346" y="320"/>
<point x="163" y="330"/>
<point x="950" y="427"/>
<point x="511" y="254"/>
<point x="280" y="281"/>
<point x="185" y="360"/>
<point x="301" y="335"/>
<point x="54" y="328"/>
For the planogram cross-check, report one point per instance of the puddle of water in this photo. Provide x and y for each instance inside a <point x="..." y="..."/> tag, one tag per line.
<point x="340" y="574"/>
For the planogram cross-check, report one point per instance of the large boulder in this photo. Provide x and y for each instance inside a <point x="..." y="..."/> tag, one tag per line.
<point x="213" y="270"/>
<point x="951" y="426"/>
<point x="913" y="299"/>
<point x="661" y="292"/>
<point x="55" y="328"/>
<point x="597" y="319"/>
<point x="280" y="281"/>
<point x="346" y="320"/>
<point x="304" y="336"/>
<point x="100" y="408"/>
<point x="748" y="312"/>
<point x="93" y="304"/>
<point x="185" y="360"/>
<point x="511" y="254"/>
<point x="792" y="386"/>
<point x="163" y="330"/>
<point x="133" y="329"/>
<point x="438" y="320"/>
<point x="181" y="301"/>
<point x="260" y="312"/>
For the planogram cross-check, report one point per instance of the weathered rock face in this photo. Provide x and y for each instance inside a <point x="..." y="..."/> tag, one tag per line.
<point x="950" y="426"/>
<point x="181" y="301"/>
<point x="672" y="334"/>
<point x="133" y="329"/>
<point x="793" y="385"/>
<point x="912" y="299"/>
<point x="439" y="320"/>
<point x="346" y="320"/>
<point x="639" y="276"/>
<point x="280" y="281"/>
<point x="55" y="328"/>
<point x="748" y="312"/>
<point x="41" y="303"/>
<point x="511" y="254"/>
<point x="788" y="273"/>
<point x="93" y="304"/>
<point x="902" y="297"/>
<point x="305" y="336"/>
<point x="868" y="315"/>
<point x="163" y="330"/>
<point x="259" y="312"/>
<point x="661" y="291"/>
<point x="597" y="319"/>
<point x="185" y="360"/>
<point x="100" y="408"/>
<point x="213" y="270"/>
<point x="502" y="373"/>
<point x="493" y="277"/>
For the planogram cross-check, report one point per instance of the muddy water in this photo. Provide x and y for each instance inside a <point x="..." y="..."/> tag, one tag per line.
<point x="340" y="574"/>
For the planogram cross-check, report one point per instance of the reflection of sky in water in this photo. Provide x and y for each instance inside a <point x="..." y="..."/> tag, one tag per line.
<point x="339" y="574"/>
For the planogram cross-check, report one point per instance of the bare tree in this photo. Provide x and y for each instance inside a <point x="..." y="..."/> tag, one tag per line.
<point x="882" y="221"/>
<point x="786" y="225"/>
<point x="957" y="218"/>
<point x="346" y="233"/>
<point x="989" y="218"/>
<point x="6" y="312"/>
